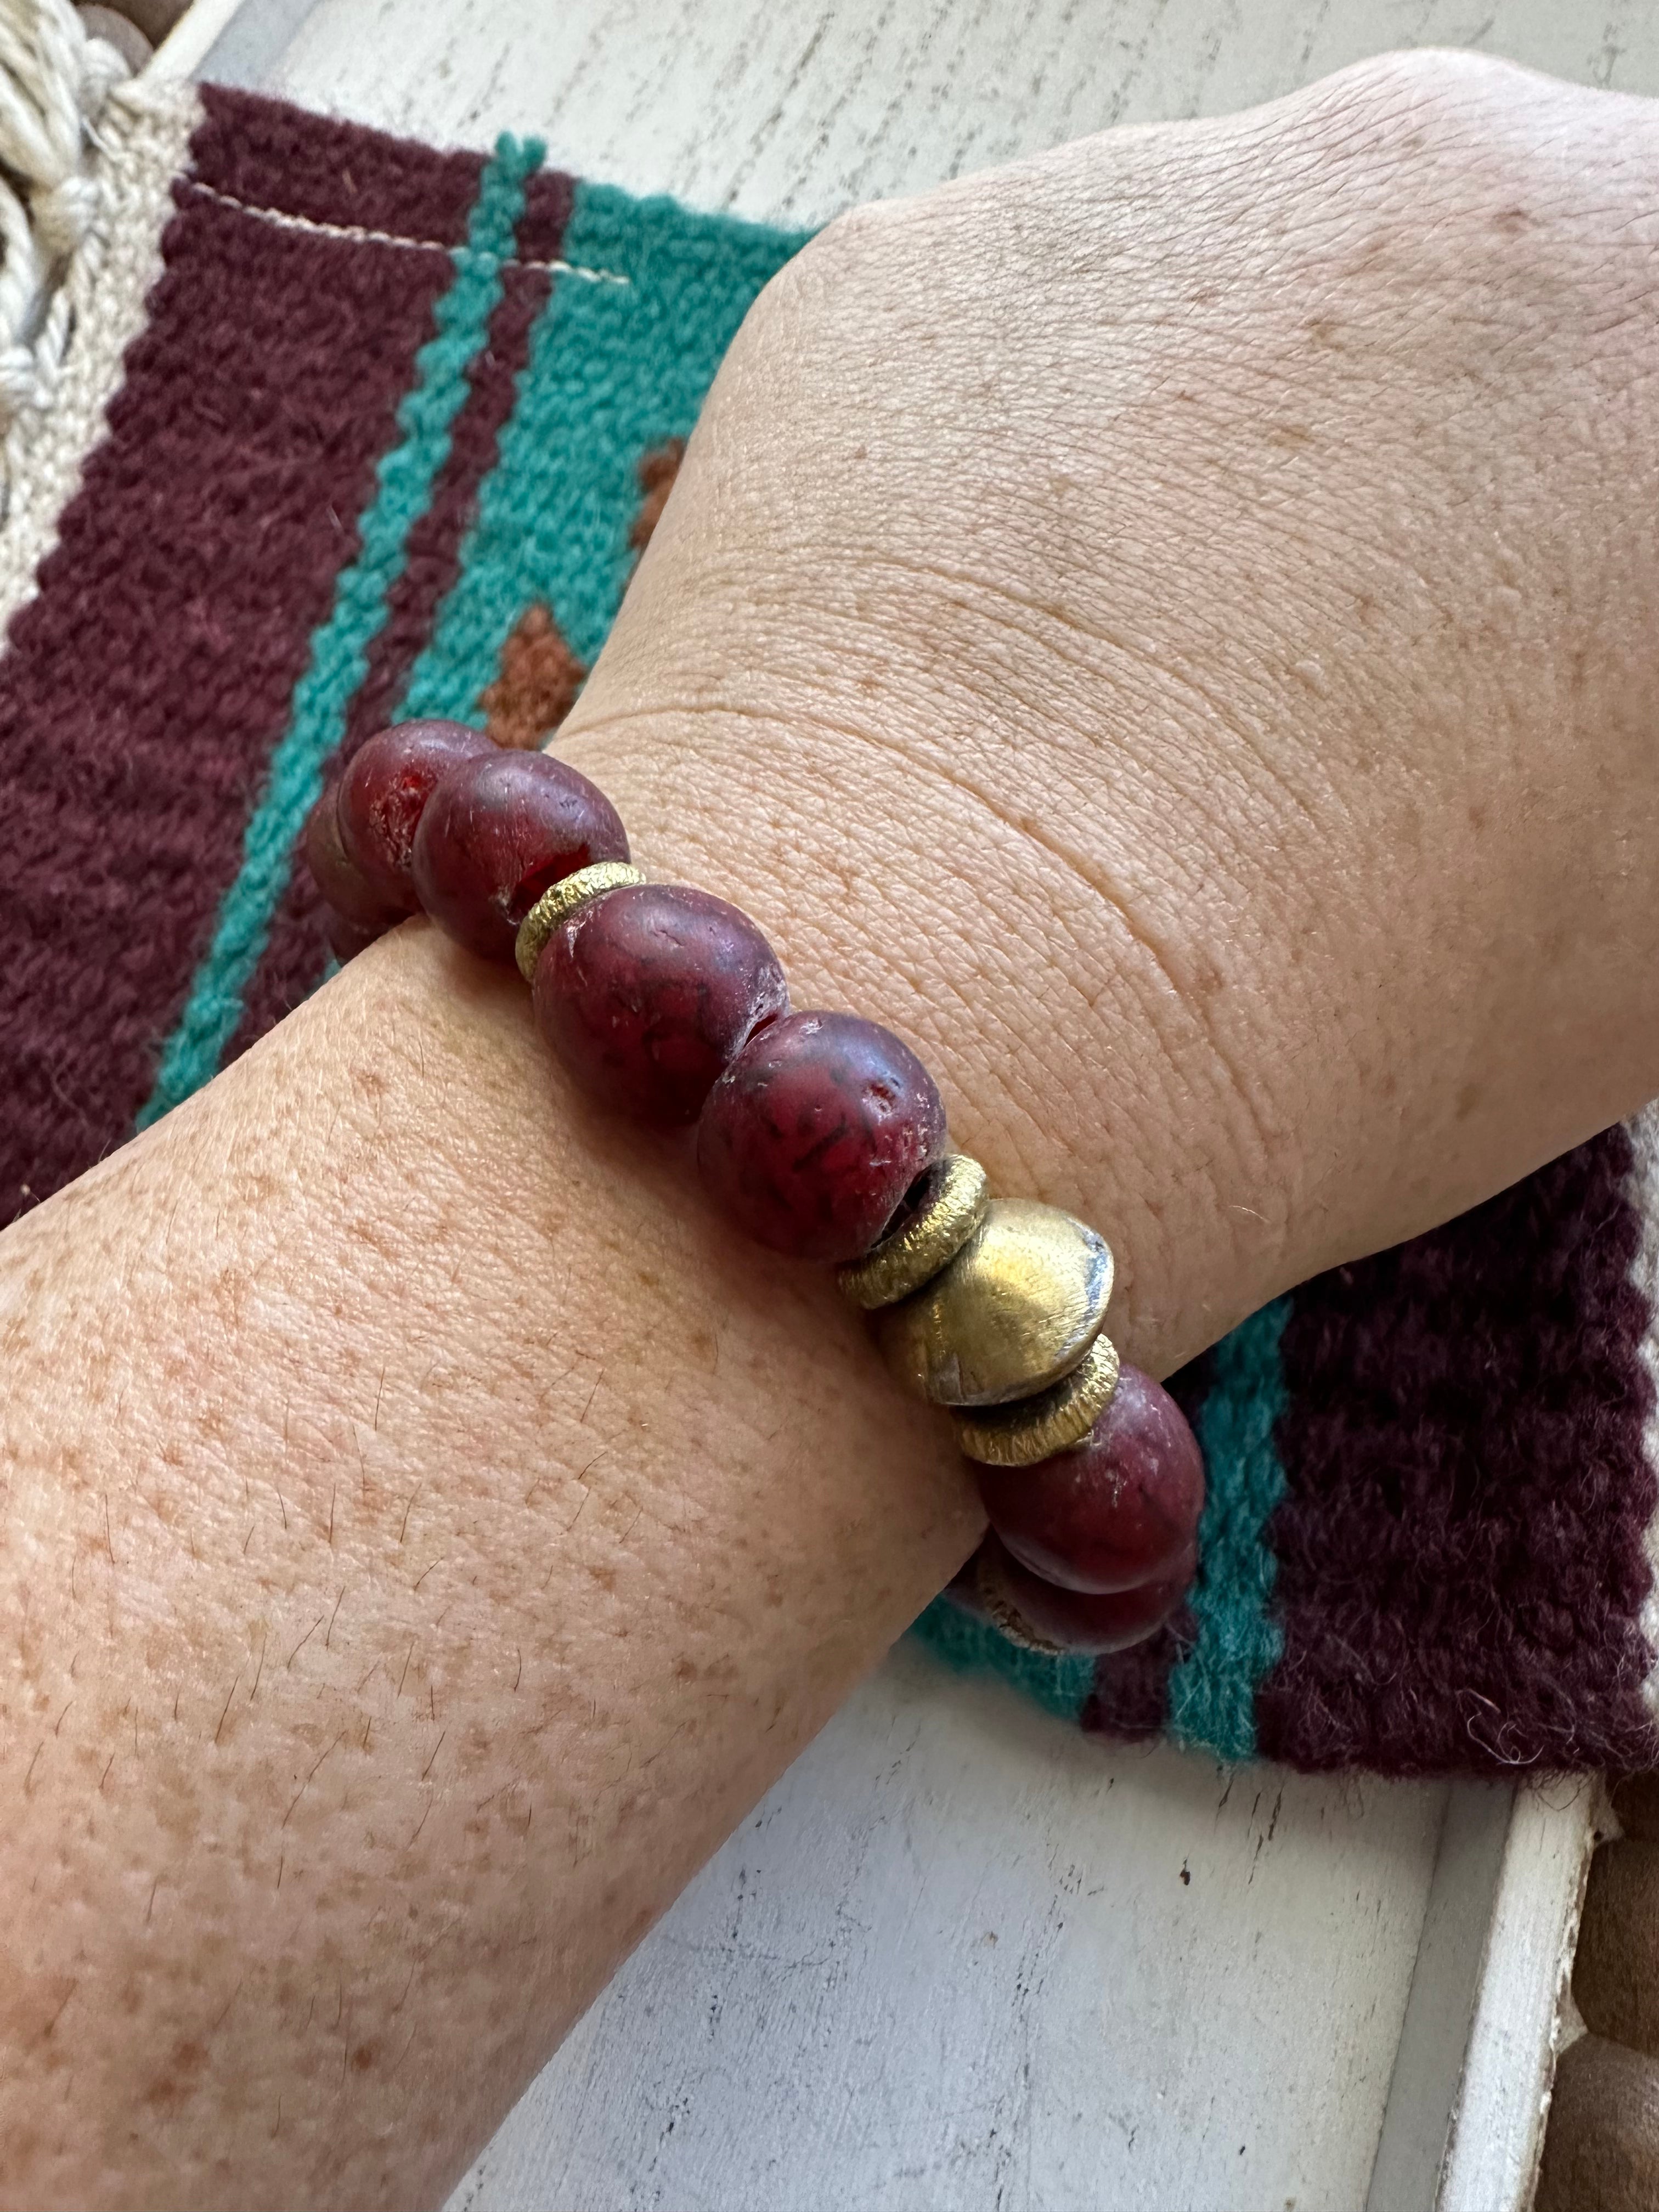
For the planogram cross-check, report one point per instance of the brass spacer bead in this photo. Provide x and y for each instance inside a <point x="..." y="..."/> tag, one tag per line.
<point x="1034" y="1429"/>
<point x="1004" y="1615"/>
<point x="563" y="898"/>
<point x="930" y="1240"/>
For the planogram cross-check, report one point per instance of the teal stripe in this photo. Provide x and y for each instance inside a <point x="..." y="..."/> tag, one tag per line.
<point x="339" y="648"/>
<point x="1062" y="1684"/>
<point x="1213" y="1689"/>
<point x="615" y="368"/>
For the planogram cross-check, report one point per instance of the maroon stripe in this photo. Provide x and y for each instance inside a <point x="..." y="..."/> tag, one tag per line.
<point x="272" y="155"/>
<point x="1131" y="1695"/>
<point x="1460" y="1549"/>
<point x="434" y="543"/>
<point x="296" y="956"/>
<point x="144" y="687"/>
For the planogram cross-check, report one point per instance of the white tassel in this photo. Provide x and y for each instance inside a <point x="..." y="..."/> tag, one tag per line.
<point x="54" y="83"/>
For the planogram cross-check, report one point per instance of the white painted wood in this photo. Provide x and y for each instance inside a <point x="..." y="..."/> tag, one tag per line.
<point x="1471" y="2083"/>
<point x="953" y="1961"/>
<point x="1424" y="2090"/>
<point x="181" y="54"/>
<point x="961" y="1956"/>
<point x="787" y="110"/>
<point x="1497" y="2134"/>
<point x="234" y="42"/>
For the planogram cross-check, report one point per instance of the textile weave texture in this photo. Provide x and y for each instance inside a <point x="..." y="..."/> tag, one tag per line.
<point x="352" y="428"/>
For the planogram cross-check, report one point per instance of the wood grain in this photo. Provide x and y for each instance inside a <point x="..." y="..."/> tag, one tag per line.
<point x="788" y="110"/>
<point x="963" y="1957"/>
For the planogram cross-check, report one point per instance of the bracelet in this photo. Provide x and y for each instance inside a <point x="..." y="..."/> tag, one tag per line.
<point x="820" y="1135"/>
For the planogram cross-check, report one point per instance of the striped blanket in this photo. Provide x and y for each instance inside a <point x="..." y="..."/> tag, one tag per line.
<point x="336" y="428"/>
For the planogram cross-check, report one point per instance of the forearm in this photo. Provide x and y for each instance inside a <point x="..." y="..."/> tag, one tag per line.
<point x="428" y="1532"/>
<point x="430" y="1529"/>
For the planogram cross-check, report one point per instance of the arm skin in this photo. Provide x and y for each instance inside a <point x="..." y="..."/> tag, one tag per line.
<point x="1169" y="627"/>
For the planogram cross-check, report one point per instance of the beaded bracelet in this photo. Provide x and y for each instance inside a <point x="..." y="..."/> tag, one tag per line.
<point x="820" y="1135"/>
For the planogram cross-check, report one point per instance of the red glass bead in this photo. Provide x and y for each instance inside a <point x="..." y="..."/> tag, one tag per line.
<point x="354" y="914"/>
<point x="1118" y="1510"/>
<point x="382" y="794"/>
<point x="496" y="832"/>
<point x="815" y="1133"/>
<point x="645" y="993"/>
<point x="1080" y="1621"/>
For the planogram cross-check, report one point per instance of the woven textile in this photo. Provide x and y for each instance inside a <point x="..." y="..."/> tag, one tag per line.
<point x="345" y="428"/>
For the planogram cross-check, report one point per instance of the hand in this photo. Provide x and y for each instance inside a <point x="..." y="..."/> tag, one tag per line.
<point x="1170" y="627"/>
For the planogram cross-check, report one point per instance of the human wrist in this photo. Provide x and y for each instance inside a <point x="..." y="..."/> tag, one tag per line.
<point x="494" y="1194"/>
<point x="1019" y="984"/>
<point x="1181" y="669"/>
<point x="819" y="1134"/>
<point x="419" y="1507"/>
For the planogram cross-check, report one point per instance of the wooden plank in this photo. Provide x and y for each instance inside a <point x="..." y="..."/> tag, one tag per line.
<point x="1463" y="2126"/>
<point x="1434" y="2036"/>
<point x="1497" y="2134"/>
<point x="961" y="1955"/>
<point x="234" y="42"/>
<point x="187" y="46"/>
<point x="787" y="110"/>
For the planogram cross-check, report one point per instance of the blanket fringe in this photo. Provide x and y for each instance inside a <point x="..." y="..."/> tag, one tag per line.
<point x="56" y="88"/>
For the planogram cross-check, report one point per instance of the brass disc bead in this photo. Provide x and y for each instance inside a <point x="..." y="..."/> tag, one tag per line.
<point x="951" y="1210"/>
<point x="1014" y="1311"/>
<point x="1020" y="1435"/>
<point x="561" y="899"/>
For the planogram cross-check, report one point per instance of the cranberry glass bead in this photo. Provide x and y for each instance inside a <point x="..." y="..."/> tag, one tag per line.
<point x="354" y="914"/>
<point x="1119" y="1509"/>
<point x="815" y="1133"/>
<point x="498" y="829"/>
<point x="383" y="792"/>
<point x="1077" y="1621"/>
<point x="646" y="992"/>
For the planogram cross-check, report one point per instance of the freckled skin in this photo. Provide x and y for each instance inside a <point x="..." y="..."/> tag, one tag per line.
<point x="1120" y="1509"/>
<point x="495" y="833"/>
<point x="392" y="1460"/>
<point x="646" y="994"/>
<point x="813" y="1136"/>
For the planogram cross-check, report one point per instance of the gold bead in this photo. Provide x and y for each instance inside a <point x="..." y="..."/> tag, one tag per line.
<point x="1014" y="1311"/>
<point x="562" y="898"/>
<point x="1019" y="1436"/>
<point x="948" y="1216"/>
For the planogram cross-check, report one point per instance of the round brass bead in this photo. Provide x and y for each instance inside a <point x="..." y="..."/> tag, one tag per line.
<point x="948" y="1216"/>
<point x="1014" y="1311"/>
<point x="1020" y="1435"/>
<point x="561" y="899"/>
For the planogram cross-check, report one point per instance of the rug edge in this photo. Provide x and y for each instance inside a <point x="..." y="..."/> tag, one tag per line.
<point x="144" y="134"/>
